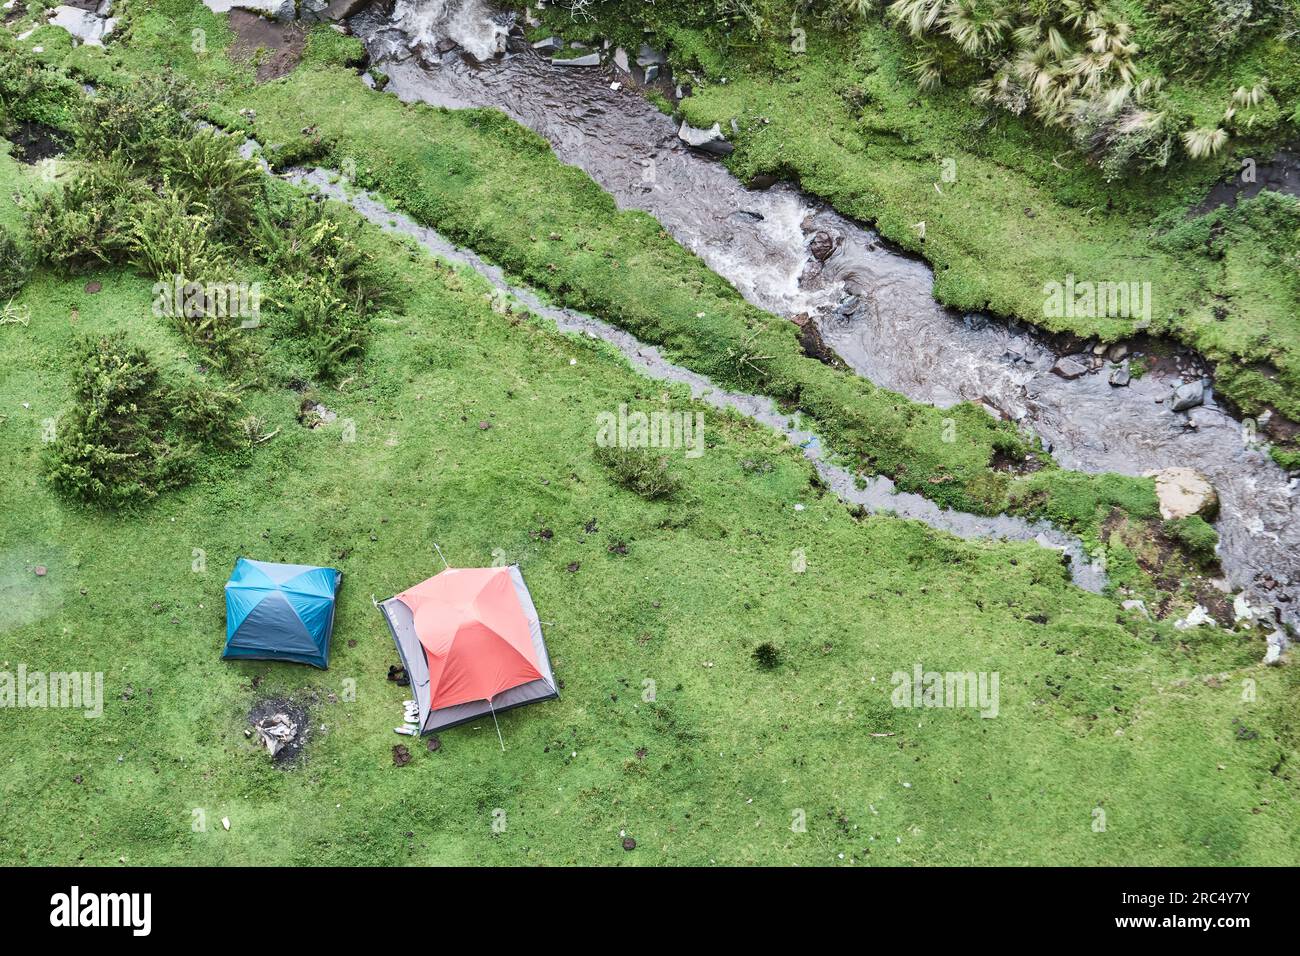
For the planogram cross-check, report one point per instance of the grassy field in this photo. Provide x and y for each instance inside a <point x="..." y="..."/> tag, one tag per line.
<point x="1116" y="740"/>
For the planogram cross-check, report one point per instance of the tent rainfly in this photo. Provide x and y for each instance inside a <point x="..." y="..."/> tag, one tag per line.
<point x="280" y="612"/>
<point x="471" y="643"/>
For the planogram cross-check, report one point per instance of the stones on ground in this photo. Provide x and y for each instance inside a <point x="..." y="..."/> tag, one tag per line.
<point x="1138" y="606"/>
<point x="975" y="322"/>
<point x="1195" y="618"/>
<point x="1120" y="376"/>
<point x="93" y="287"/>
<point x="708" y="140"/>
<point x="578" y="58"/>
<point x="283" y="10"/>
<point x="1188" y="395"/>
<point x="1117" y="352"/>
<point x="89" y="27"/>
<point x="401" y="756"/>
<point x="549" y="45"/>
<point x="1183" y="492"/>
<point x="629" y="844"/>
<point x="1069" y="367"/>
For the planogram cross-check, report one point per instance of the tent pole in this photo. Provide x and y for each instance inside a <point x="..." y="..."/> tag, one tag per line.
<point x="495" y="724"/>
<point x="439" y="550"/>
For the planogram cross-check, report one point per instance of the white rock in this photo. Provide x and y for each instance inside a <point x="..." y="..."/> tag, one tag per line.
<point x="1183" y="492"/>
<point x="1137" y="606"/>
<point x="1196" y="618"/>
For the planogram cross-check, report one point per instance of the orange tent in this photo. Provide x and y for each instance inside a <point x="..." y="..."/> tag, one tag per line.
<point x="471" y="643"/>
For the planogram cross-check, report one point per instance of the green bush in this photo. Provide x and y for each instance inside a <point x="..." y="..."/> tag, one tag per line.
<point x="29" y="90"/>
<point x="14" y="267"/>
<point x="1197" y="537"/>
<point x="131" y="122"/>
<point x="167" y="241"/>
<point x="640" y="471"/>
<point x="324" y="326"/>
<point x="89" y="220"/>
<point x="207" y="172"/>
<point x="130" y="434"/>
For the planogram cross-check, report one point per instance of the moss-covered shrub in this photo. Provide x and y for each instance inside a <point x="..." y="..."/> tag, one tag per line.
<point x="1197" y="537"/>
<point x="130" y="122"/>
<point x="639" y="470"/>
<point x="205" y="170"/>
<point x="88" y="221"/>
<point x="131" y="433"/>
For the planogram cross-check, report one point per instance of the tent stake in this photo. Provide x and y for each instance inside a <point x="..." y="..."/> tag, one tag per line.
<point x="498" y="726"/>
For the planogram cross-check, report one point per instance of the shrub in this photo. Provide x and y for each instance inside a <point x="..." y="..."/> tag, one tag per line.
<point x="88" y="220"/>
<point x="14" y="267"/>
<point x="640" y="471"/>
<point x="325" y="326"/>
<point x="1197" y="537"/>
<point x="129" y="434"/>
<point x="767" y="655"/>
<point x="29" y="90"/>
<point x="207" y="172"/>
<point x="130" y="122"/>
<point x="167" y="240"/>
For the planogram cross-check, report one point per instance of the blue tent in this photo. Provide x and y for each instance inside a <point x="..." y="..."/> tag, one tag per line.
<point x="280" y="612"/>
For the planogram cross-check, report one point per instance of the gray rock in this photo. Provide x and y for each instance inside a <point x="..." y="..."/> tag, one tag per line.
<point x="848" y="305"/>
<point x="284" y="10"/>
<point x="709" y="140"/>
<point x="621" y="61"/>
<point x="1017" y="349"/>
<point x="651" y="73"/>
<point x="549" y="45"/>
<point x="975" y="321"/>
<point x="1188" y="396"/>
<point x="1069" y="367"/>
<point x="1118" y="352"/>
<point x="648" y="56"/>
<point x="87" y="27"/>
<point x="586" y="59"/>
<point x="822" y="245"/>
<point x="1120" y="376"/>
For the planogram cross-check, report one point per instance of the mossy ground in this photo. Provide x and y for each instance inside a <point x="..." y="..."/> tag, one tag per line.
<point x="1099" y="711"/>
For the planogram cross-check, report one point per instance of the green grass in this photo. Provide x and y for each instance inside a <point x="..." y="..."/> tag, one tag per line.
<point x="1094" y="713"/>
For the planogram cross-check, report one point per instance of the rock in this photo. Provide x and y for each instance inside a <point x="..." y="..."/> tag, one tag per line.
<point x="1117" y="352"/>
<point x="1242" y="611"/>
<point x="1017" y="349"/>
<point x="585" y="59"/>
<point x="1276" y="645"/>
<point x="1196" y="618"/>
<point x="621" y="61"/>
<point x="709" y="140"/>
<point x="822" y="245"/>
<point x="401" y="756"/>
<point x="1069" y="367"/>
<point x="848" y="305"/>
<point x="975" y="321"/>
<point x="40" y="571"/>
<point x="1120" y="376"/>
<point x="549" y="45"/>
<point x="1138" y="606"/>
<point x="445" y="45"/>
<point x="1188" y="396"/>
<point x="85" y="26"/>
<point x="651" y="73"/>
<point x="284" y="10"/>
<point x="1183" y="492"/>
<point x="648" y="56"/>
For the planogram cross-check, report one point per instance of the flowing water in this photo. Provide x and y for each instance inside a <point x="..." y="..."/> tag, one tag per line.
<point x="873" y="306"/>
<point x="875" y="494"/>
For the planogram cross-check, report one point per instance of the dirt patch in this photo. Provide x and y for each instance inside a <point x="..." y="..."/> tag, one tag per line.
<point x="1169" y="569"/>
<point x="274" y="48"/>
<point x="296" y="711"/>
<point x="810" y="340"/>
<point x="35" y="141"/>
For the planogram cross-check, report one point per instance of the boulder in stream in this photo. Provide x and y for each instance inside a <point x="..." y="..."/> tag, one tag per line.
<point x="1069" y="367"/>
<point x="822" y="245"/>
<point x="1188" y="395"/>
<point x="1183" y="492"/>
<point x="709" y="140"/>
<point x="1120" y="376"/>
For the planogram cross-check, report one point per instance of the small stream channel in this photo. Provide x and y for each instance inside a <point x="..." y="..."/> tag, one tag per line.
<point x="873" y="306"/>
